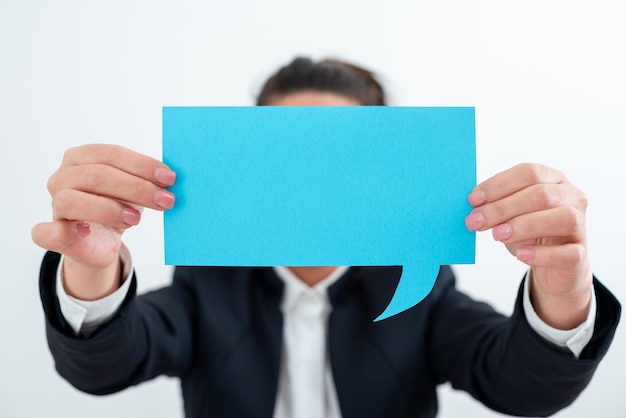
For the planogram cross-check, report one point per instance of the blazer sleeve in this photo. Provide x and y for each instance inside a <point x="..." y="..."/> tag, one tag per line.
<point x="503" y="363"/>
<point x="148" y="336"/>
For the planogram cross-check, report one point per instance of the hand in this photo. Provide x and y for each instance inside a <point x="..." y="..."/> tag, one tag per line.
<point x="540" y="217"/>
<point x="98" y="192"/>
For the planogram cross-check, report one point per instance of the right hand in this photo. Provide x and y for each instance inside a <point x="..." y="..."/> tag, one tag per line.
<point x="98" y="192"/>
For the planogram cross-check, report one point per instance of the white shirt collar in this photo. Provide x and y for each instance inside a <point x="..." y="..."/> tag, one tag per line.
<point x="295" y="288"/>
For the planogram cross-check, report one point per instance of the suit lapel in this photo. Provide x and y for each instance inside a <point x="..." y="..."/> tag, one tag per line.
<point x="365" y="380"/>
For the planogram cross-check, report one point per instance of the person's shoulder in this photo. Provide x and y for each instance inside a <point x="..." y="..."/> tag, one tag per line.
<point x="233" y="294"/>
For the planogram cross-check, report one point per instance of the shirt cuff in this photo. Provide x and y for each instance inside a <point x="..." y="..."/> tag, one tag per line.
<point x="573" y="339"/>
<point x="86" y="316"/>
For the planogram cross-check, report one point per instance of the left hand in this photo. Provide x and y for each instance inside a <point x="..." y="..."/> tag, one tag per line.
<point x="540" y="217"/>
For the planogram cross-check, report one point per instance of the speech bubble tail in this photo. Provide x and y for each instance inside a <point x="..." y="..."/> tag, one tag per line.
<point x="415" y="284"/>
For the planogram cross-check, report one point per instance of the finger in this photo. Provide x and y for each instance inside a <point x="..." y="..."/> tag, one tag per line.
<point x="122" y="158"/>
<point x="58" y="235"/>
<point x="534" y="198"/>
<point x="109" y="181"/>
<point x="512" y="180"/>
<point x="559" y="257"/>
<point x="74" y="205"/>
<point x="72" y="239"/>
<point x="553" y="226"/>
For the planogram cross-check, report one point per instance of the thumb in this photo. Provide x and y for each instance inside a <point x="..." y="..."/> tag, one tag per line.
<point x="58" y="235"/>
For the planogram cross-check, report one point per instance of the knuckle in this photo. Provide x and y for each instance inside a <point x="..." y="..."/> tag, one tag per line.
<point x="577" y="254"/>
<point x="583" y="201"/>
<point x="53" y="184"/>
<point x="69" y="154"/>
<point x="109" y="152"/>
<point x="62" y="201"/>
<point x="575" y="220"/>
<point x="137" y="191"/>
<point x="91" y="177"/>
<point x="104" y="153"/>
<point x="534" y="172"/>
<point x="546" y="197"/>
<point x="495" y="213"/>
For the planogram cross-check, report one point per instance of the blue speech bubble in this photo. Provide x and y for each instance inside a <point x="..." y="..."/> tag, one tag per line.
<point x="311" y="186"/>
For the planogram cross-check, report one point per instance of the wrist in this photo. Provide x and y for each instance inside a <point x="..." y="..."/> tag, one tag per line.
<point x="87" y="283"/>
<point x="561" y="310"/>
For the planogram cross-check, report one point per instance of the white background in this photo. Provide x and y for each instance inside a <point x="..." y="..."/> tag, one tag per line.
<point x="546" y="78"/>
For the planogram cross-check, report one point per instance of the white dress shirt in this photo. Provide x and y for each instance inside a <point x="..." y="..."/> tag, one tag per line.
<point x="305" y="365"/>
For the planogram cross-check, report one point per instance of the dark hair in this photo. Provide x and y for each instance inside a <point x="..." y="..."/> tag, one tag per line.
<point x="328" y="75"/>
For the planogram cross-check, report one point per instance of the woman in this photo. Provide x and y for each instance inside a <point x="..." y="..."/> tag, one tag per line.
<point x="300" y="341"/>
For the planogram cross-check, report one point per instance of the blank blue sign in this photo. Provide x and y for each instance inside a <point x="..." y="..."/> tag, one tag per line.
<point x="320" y="186"/>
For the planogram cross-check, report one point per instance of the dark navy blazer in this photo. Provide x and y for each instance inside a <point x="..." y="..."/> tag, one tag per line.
<point x="220" y="329"/>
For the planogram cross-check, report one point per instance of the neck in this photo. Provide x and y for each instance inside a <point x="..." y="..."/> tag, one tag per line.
<point x="312" y="275"/>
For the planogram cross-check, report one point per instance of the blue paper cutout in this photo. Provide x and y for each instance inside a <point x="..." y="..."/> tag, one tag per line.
<point x="307" y="186"/>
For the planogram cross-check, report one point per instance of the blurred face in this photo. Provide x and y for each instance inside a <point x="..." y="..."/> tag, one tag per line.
<point x="313" y="98"/>
<point x="312" y="275"/>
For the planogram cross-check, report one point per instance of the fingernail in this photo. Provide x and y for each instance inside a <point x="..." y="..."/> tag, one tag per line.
<point x="525" y="254"/>
<point x="474" y="221"/>
<point x="502" y="232"/>
<point x="130" y="216"/>
<point x="164" y="199"/>
<point x="83" y="229"/>
<point x="477" y="197"/>
<point x="165" y="176"/>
